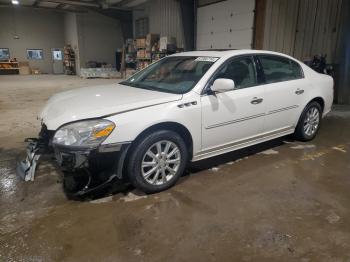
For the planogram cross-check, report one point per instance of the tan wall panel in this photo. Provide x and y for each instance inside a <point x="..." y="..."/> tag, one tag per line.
<point x="303" y="28"/>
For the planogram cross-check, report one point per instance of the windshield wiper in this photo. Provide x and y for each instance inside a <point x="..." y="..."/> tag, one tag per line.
<point x="153" y="88"/>
<point x="126" y="83"/>
<point x="147" y="87"/>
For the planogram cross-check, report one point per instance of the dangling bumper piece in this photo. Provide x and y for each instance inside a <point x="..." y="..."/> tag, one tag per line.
<point x="35" y="148"/>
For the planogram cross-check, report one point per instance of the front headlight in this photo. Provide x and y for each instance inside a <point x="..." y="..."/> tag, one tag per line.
<point x="89" y="133"/>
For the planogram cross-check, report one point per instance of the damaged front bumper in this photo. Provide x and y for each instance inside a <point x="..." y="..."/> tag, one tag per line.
<point x="102" y="165"/>
<point x="26" y="168"/>
<point x="35" y="148"/>
<point x="103" y="158"/>
<point x="106" y="159"/>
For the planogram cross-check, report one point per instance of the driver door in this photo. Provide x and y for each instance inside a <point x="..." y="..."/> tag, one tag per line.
<point x="232" y="117"/>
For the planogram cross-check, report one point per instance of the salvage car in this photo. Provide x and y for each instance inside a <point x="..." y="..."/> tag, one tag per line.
<point x="185" y="107"/>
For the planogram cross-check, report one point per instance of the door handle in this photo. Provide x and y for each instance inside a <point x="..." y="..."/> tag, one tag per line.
<point x="299" y="91"/>
<point x="256" y="101"/>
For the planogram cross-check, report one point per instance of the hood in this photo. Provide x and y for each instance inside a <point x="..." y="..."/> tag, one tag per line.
<point x="99" y="101"/>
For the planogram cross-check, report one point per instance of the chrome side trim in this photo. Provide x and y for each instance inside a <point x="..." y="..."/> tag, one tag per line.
<point x="282" y="109"/>
<point x="242" y="143"/>
<point x="235" y="121"/>
<point x="251" y="117"/>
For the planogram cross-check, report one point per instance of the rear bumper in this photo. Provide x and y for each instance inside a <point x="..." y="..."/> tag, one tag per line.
<point x="326" y="112"/>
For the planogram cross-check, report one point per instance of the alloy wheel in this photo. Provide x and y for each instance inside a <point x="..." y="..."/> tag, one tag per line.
<point x="312" y="121"/>
<point x="161" y="162"/>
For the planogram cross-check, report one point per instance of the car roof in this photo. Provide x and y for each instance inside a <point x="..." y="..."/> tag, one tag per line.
<point x="228" y="53"/>
<point x="214" y="53"/>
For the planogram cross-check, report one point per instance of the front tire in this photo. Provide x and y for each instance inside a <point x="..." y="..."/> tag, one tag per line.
<point x="309" y="122"/>
<point x="157" y="161"/>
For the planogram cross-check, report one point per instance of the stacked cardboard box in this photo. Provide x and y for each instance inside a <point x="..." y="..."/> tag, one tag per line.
<point x="166" y="42"/>
<point x="150" y="48"/>
<point x="24" y="68"/>
<point x="99" y="73"/>
<point x="151" y="40"/>
<point x="140" y="42"/>
<point x="141" y="53"/>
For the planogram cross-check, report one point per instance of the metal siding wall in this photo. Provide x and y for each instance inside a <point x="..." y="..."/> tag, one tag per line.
<point x="165" y="19"/>
<point x="291" y="14"/>
<point x="280" y="25"/>
<point x="303" y="28"/>
<point x="327" y="28"/>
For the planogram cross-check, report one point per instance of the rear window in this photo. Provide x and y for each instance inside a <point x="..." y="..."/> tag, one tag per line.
<point x="278" y="69"/>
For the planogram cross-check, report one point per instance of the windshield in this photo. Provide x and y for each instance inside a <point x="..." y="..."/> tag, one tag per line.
<point x="176" y="74"/>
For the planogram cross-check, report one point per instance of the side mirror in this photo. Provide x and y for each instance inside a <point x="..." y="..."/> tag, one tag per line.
<point x="222" y="85"/>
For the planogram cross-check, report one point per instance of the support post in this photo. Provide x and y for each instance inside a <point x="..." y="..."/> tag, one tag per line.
<point x="259" y="24"/>
<point x="343" y="83"/>
<point x="189" y="25"/>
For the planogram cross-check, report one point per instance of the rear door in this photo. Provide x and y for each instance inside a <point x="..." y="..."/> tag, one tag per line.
<point x="284" y="91"/>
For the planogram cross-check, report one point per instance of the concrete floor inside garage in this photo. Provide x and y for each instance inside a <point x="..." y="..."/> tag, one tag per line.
<point x="279" y="201"/>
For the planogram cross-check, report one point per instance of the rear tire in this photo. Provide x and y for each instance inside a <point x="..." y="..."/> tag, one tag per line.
<point x="157" y="161"/>
<point x="309" y="122"/>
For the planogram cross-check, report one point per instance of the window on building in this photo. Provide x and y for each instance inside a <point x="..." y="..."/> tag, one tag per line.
<point x="35" y="54"/>
<point x="141" y="27"/>
<point x="4" y="54"/>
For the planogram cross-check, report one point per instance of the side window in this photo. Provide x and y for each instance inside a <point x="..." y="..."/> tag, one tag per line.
<point x="278" y="69"/>
<point x="298" y="72"/>
<point x="202" y="68"/>
<point x="241" y="71"/>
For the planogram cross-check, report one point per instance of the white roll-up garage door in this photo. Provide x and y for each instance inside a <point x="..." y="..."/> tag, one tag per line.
<point x="226" y="25"/>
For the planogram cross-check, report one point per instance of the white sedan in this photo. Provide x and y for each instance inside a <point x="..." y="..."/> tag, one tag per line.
<point x="185" y="107"/>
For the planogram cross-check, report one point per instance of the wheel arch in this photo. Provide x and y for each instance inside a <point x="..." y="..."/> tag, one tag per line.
<point x="171" y="126"/>
<point x="319" y="100"/>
